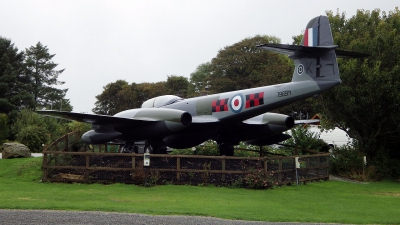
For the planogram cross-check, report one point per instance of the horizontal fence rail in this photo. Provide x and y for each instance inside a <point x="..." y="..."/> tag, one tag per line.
<point x="90" y="167"/>
<point x="69" y="160"/>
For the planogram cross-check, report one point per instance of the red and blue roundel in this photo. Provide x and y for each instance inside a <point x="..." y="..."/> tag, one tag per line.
<point x="236" y="103"/>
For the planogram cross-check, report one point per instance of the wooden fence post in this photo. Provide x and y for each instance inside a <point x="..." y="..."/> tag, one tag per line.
<point x="327" y="166"/>
<point x="318" y="163"/>
<point x="307" y="169"/>
<point x="66" y="143"/>
<point x="44" y="166"/>
<point x="87" y="169"/>
<point x="265" y="167"/>
<point x="133" y="167"/>
<point x="280" y="171"/>
<point x="223" y="169"/>
<point x="178" y="167"/>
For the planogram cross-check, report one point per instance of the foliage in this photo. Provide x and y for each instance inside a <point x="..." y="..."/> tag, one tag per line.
<point x="177" y="85"/>
<point x="108" y="101"/>
<point x="367" y="102"/>
<point x="210" y="148"/>
<point x="243" y="65"/>
<point x="198" y="79"/>
<point x="258" y="179"/>
<point x="41" y="70"/>
<point x="26" y="118"/>
<point x="53" y="128"/>
<point x="152" y="179"/>
<point x="4" y="131"/>
<point x="14" y="85"/>
<point x="75" y="126"/>
<point x="346" y="161"/>
<point x="120" y="95"/>
<point x="33" y="137"/>
<point x="305" y="140"/>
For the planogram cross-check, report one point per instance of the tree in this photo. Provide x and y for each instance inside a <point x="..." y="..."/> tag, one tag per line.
<point x="43" y="75"/>
<point x="177" y="85"/>
<point x="367" y="104"/>
<point x="4" y="130"/>
<point x="243" y="65"/>
<point x="198" y="79"/>
<point x="119" y="96"/>
<point x="109" y="102"/>
<point x="14" y="85"/>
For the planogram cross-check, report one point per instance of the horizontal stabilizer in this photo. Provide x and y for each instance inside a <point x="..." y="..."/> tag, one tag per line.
<point x="349" y="54"/>
<point x="306" y="121"/>
<point x="298" y="50"/>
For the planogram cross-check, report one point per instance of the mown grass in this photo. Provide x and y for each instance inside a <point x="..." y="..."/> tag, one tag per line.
<point x="326" y="202"/>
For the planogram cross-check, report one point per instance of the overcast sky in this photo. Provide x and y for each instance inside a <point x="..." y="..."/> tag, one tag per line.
<point x="99" y="42"/>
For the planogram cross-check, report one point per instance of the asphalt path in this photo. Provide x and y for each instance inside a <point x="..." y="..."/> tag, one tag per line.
<point x="32" y="155"/>
<point x="35" y="217"/>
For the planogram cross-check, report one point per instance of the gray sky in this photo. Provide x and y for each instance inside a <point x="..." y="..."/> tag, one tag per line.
<point x="99" y="42"/>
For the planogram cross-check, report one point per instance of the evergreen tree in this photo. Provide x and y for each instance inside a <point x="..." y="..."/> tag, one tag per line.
<point x="41" y="70"/>
<point x="14" y="84"/>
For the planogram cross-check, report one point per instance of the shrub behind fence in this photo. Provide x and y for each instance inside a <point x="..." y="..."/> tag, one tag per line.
<point x="68" y="160"/>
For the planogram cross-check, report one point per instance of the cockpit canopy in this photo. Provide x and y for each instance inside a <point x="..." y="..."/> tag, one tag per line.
<point x="161" y="101"/>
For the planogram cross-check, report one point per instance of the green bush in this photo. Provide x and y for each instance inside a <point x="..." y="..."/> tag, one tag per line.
<point x="305" y="140"/>
<point x="256" y="178"/>
<point x="33" y="137"/>
<point x="210" y="148"/>
<point x="346" y="161"/>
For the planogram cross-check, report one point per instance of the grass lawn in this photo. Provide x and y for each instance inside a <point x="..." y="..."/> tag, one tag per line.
<point x="323" y="202"/>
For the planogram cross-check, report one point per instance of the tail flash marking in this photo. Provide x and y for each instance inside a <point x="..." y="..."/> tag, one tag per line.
<point x="311" y="37"/>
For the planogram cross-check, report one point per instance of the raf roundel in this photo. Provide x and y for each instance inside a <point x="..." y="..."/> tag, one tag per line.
<point x="236" y="103"/>
<point x="300" y="69"/>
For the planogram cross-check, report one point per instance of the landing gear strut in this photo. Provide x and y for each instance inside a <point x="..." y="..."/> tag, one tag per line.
<point x="225" y="148"/>
<point x="159" y="148"/>
<point x="129" y="147"/>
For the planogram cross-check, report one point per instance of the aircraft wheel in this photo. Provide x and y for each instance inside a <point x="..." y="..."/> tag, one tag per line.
<point x="148" y="149"/>
<point x="128" y="148"/>
<point x="159" y="149"/>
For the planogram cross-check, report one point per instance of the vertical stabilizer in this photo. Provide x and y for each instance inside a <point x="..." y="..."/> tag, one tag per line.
<point x="317" y="60"/>
<point x="315" y="57"/>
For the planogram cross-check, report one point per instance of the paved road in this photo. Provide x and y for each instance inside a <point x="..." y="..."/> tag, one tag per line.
<point x="32" y="154"/>
<point x="36" y="217"/>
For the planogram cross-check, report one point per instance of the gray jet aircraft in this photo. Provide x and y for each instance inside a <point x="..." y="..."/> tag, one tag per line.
<point x="230" y="117"/>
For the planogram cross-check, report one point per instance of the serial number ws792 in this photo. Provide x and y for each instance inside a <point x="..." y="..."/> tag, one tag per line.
<point x="284" y="93"/>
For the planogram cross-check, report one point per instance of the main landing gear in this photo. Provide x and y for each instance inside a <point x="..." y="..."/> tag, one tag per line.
<point x="142" y="147"/>
<point x="225" y="148"/>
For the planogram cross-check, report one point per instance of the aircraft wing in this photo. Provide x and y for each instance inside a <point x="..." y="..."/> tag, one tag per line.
<point x="129" y="118"/>
<point x="84" y="117"/>
<point x="94" y="119"/>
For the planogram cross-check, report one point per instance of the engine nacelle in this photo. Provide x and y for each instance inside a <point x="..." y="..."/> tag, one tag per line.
<point x="272" y="119"/>
<point x="99" y="137"/>
<point x="273" y="123"/>
<point x="174" y="119"/>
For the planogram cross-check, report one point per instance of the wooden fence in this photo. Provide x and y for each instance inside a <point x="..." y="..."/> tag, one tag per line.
<point x="74" y="162"/>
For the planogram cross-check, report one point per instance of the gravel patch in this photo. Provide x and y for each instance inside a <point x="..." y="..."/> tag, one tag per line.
<point x="36" y="217"/>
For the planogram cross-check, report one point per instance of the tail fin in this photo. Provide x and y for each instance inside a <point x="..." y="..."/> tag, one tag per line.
<point x="315" y="57"/>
